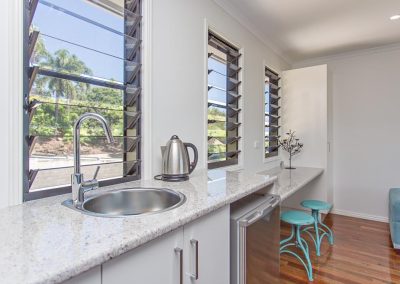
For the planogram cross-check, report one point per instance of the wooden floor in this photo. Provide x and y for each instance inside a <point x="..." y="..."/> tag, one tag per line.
<point x="362" y="253"/>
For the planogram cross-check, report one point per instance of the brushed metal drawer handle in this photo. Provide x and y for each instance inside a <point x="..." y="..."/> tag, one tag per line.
<point x="196" y="274"/>
<point x="180" y="252"/>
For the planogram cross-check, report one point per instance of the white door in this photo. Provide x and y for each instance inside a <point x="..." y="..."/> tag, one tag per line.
<point x="158" y="261"/>
<point x="206" y="249"/>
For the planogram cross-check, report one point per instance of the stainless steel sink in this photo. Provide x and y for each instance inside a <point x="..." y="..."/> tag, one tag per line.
<point x="130" y="201"/>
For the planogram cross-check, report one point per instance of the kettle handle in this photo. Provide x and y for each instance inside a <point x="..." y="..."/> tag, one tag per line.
<point x="196" y="156"/>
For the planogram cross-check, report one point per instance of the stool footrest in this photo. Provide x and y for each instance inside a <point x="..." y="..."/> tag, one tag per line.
<point x="296" y="240"/>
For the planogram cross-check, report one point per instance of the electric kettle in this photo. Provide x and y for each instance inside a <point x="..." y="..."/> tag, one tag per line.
<point x="176" y="164"/>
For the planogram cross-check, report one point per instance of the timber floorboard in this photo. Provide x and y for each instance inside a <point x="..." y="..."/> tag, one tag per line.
<point x="362" y="254"/>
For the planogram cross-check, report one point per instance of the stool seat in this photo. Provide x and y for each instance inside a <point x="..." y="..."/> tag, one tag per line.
<point x="297" y="218"/>
<point x="316" y="204"/>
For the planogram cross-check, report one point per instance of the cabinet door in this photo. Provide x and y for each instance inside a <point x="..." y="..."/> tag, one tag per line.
<point x="92" y="276"/>
<point x="206" y="249"/>
<point x="158" y="261"/>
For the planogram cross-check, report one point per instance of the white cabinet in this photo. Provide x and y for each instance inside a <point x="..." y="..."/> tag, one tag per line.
<point x="92" y="276"/>
<point x="156" y="262"/>
<point x="206" y="249"/>
<point x="200" y="249"/>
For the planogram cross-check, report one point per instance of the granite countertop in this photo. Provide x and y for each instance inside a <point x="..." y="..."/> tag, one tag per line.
<point x="290" y="181"/>
<point x="44" y="242"/>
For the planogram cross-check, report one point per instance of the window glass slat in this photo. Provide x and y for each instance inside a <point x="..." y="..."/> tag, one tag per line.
<point x="46" y="179"/>
<point x="272" y="116"/>
<point x="223" y="102"/>
<point x="68" y="74"/>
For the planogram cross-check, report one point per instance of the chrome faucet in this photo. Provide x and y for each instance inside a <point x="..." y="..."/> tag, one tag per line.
<point x="79" y="185"/>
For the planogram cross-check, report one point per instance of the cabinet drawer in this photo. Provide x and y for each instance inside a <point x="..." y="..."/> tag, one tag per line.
<point x="153" y="263"/>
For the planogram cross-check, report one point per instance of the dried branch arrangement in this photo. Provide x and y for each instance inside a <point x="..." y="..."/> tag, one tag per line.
<point x="291" y="145"/>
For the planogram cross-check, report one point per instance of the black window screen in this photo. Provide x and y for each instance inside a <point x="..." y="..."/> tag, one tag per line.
<point x="80" y="56"/>
<point x="272" y="117"/>
<point x="223" y="102"/>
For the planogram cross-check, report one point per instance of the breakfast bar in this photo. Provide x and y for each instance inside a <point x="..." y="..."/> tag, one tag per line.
<point x="41" y="231"/>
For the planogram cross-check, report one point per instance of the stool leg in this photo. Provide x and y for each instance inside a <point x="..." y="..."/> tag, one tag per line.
<point x="290" y="238"/>
<point x="300" y="243"/>
<point x="315" y="214"/>
<point x="321" y="230"/>
<point x="330" y="233"/>
<point x="287" y="242"/>
<point x="325" y="229"/>
<point x="305" y="251"/>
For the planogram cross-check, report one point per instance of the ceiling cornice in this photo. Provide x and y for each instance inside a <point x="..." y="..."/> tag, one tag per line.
<point x="232" y="10"/>
<point x="347" y="55"/>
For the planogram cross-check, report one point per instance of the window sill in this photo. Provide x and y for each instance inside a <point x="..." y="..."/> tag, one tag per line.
<point x="229" y="168"/>
<point x="272" y="159"/>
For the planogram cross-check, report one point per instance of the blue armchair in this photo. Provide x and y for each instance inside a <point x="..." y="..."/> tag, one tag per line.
<point x="394" y="216"/>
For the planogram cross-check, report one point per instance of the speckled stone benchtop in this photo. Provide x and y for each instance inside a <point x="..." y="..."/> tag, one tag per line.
<point x="44" y="242"/>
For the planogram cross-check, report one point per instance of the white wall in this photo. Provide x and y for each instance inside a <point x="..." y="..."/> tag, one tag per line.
<point x="5" y="93"/>
<point x="179" y="77"/>
<point x="175" y="86"/>
<point x="304" y="109"/>
<point x="11" y="103"/>
<point x="364" y="89"/>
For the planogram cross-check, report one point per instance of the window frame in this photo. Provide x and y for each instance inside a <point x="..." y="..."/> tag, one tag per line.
<point x="271" y="155"/>
<point x="236" y="159"/>
<point x="58" y="190"/>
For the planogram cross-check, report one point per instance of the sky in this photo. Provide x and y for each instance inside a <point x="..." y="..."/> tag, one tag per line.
<point x="217" y="80"/>
<point x="54" y="23"/>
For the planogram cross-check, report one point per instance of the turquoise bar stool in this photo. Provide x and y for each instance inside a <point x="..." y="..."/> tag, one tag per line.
<point x="320" y="229"/>
<point x="298" y="219"/>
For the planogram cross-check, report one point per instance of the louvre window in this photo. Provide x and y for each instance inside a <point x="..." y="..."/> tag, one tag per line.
<point x="272" y="117"/>
<point x="80" y="56"/>
<point x="223" y="102"/>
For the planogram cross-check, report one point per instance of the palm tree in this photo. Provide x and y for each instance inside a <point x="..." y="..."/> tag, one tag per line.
<point x="40" y="56"/>
<point x="64" y="62"/>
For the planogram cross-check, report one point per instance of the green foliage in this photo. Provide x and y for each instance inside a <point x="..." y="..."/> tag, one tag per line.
<point x="106" y="97"/>
<point x="216" y="129"/>
<point x="58" y="118"/>
<point x="63" y="101"/>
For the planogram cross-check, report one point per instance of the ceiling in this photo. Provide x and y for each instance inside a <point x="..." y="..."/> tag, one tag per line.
<point x="300" y="30"/>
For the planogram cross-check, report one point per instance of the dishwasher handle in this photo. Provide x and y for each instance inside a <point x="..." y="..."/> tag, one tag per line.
<point x="274" y="204"/>
<point x="260" y="213"/>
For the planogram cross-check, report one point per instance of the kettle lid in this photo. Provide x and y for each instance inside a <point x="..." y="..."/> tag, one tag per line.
<point x="174" y="137"/>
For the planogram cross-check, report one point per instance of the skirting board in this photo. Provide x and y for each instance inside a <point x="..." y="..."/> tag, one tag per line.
<point x="360" y="215"/>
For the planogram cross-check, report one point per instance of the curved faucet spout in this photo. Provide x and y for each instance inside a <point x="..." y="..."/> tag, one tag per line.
<point x="77" y="131"/>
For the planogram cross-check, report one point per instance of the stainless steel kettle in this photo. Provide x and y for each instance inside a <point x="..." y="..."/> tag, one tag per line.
<point x="176" y="165"/>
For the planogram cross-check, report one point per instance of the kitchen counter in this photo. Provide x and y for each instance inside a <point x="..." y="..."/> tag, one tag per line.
<point x="44" y="242"/>
<point x="290" y="181"/>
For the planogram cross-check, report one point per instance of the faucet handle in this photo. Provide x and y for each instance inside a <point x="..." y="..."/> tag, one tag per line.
<point x="96" y="172"/>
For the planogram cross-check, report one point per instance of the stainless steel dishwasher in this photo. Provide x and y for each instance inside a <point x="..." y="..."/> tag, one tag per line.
<point x="255" y="236"/>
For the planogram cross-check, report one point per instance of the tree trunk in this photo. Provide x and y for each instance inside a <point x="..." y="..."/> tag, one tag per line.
<point x="56" y="111"/>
